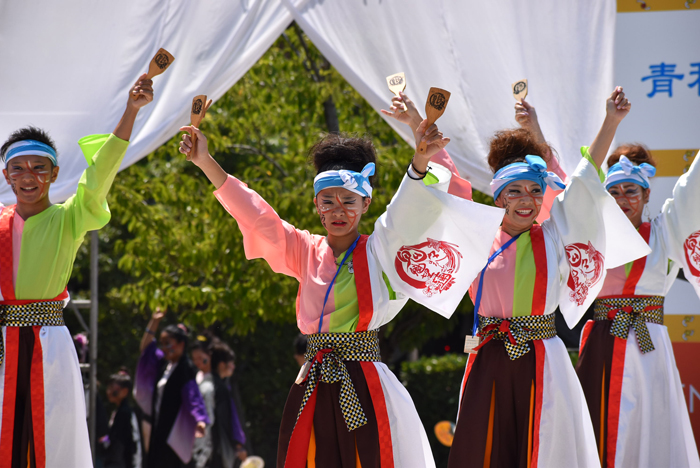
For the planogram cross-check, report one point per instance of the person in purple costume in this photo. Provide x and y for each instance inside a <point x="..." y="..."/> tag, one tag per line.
<point x="167" y="392"/>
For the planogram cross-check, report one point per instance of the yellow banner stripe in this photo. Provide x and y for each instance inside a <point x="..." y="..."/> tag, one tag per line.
<point x="637" y="6"/>
<point x="673" y="163"/>
<point x="683" y="328"/>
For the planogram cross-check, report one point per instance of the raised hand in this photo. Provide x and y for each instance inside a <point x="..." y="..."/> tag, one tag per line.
<point x="436" y="141"/>
<point x="143" y="91"/>
<point x="201" y="150"/>
<point x="405" y="111"/>
<point x="158" y="314"/>
<point x="617" y="106"/>
<point x="526" y="116"/>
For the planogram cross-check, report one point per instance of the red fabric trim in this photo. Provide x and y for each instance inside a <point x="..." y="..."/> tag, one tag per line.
<point x="363" y="284"/>
<point x="37" y="396"/>
<point x="386" y="447"/>
<point x="539" y="391"/>
<point x="10" y="393"/>
<point x="584" y="335"/>
<point x="467" y="370"/>
<point x="539" y="251"/>
<point x="301" y="435"/>
<point x="614" y="397"/>
<point x="6" y="283"/>
<point x="638" y="265"/>
<point x="60" y="297"/>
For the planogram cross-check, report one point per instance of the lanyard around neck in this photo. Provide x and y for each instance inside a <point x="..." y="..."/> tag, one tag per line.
<point x="347" y="254"/>
<point x="477" y="301"/>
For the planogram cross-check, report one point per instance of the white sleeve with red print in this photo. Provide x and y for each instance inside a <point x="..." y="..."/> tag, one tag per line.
<point x="595" y="236"/>
<point x="680" y="224"/>
<point x="432" y="244"/>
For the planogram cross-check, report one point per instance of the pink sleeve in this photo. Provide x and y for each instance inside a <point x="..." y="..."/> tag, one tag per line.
<point x="550" y="195"/>
<point x="265" y="235"/>
<point x="458" y="187"/>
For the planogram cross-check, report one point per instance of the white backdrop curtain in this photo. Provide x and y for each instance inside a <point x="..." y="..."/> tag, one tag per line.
<point x="68" y="65"/>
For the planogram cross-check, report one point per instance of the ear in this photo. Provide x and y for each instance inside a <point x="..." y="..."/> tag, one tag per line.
<point x="54" y="174"/>
<point x="7" y="177"/>
<point x="498" y="202"/>
<point x="365" y="204"/>
<point x="646" y="195"/>
<point x="316" y="205"/>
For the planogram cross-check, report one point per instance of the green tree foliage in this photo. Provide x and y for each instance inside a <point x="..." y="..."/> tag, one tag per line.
<point x="171" y="244"/>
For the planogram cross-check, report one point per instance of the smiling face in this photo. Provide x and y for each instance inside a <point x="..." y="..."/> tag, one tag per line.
<point x="522" y="200"/>
<point x="631" y="199"/>
<point x="30" y="177"/>
<point x="340" y="210"/>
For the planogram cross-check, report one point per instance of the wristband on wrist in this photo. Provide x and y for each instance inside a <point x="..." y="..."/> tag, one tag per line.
<point x="419" y="172"/>
<point x="150" y="332"/>
<point x="411" y="168"/>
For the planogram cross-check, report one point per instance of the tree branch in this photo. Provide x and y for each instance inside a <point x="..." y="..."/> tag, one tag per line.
<point x="251" y="149"/>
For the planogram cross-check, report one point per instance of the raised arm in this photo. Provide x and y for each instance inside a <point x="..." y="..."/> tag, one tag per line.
<point x="150" y="333"/>
<point x="265" y="234"/>
<point x="616" y="108"/>
<point x="143" y="91"/>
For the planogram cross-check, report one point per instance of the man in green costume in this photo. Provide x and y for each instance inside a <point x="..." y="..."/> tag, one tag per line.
<point x="42" y="405"/>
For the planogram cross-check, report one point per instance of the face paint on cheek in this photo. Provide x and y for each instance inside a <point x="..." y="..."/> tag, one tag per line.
<point x="41" y="176"/>
<point x="351" y="214"/>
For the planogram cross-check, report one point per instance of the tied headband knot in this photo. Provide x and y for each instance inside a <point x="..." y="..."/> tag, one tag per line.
<point x="356" y="182"/>
<point x="30" y="147"/>
<point x="534" y="168"/>
<point x="627" y="171"/>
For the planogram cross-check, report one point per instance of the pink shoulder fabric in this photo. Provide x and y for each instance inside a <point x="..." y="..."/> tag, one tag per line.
<point x="459" y="187"/>
<point x="265" y="235"/>
<point x="17" y="229"/>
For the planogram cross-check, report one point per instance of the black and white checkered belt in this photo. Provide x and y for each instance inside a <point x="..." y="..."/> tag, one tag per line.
<point x="631" y="312"/>
<point x="516" y="332"/>
<point x="326" y="353"/>
<point x="42" y="314"/>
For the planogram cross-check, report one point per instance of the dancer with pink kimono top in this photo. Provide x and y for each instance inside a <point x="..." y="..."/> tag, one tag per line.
<point x="626" y="365"/>
<point x="521" y="404"/>
<point x="347" y="408"/>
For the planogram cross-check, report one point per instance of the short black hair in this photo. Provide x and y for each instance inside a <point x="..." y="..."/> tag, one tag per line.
<point x="300" y="344"/>
<point x="121" y="378"/>
<point x="220" y="352"/>
<point x="27" y="133"/>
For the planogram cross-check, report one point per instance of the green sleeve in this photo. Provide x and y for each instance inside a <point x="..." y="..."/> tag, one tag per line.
<point x="587" y="155"/>
<point x="88" y="209"/>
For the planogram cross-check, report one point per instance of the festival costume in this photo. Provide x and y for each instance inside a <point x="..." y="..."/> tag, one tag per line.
<point x="227" y="431"/>
<point x="121" y="447"/>
<point x="355" y="412"/>
<point x="521" y="404"/>
<point x="42" y="404"/>
<point x="174" y="413"/>
<point x="630" y="379"/>
<point x="203" y="446"/>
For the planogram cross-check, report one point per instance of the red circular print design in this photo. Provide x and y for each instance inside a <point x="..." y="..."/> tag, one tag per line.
<point x="692" y="254"/>
<point x="429" y="266"/>
<point x="586" y="270"/>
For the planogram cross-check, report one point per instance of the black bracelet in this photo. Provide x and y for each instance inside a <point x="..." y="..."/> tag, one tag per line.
<point x="150" y="332"/>
<point x="419" y="172"/>
<point x="408" y="173"/>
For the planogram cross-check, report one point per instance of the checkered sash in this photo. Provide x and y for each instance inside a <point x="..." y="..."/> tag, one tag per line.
<point x="516" y="332"/>
<point x="42" y="314"/>
<point x="326" y="352"/>
<point x="632" y="311"/>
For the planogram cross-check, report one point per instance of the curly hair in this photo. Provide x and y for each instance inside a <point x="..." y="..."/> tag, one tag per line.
<point x="512" y="145"/>
<point x="342" y="151"/>
<point x="636" y="152"/>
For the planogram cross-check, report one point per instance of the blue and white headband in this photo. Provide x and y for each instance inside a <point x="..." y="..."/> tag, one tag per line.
<point x="534" y="169"/>
<point x="627" y="171"/>
<point x="356" y="182"/>
<point x="30" y="147"/>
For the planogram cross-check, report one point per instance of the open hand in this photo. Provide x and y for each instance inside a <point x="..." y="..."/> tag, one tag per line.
<point x="201" y="150"/>
<point x="405" y="111"/>
<point x="617" y="106"/>
<point x="142" y="91"/>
